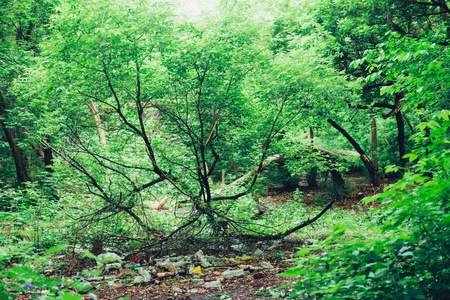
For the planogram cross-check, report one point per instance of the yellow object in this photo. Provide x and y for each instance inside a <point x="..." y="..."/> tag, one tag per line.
<point x="197" y="270"/>
<point x="244" y="258"/>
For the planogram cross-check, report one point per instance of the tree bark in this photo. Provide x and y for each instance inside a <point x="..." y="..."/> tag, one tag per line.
<point x="17" y="153"/>
<point x="400" y="126"/>
<point x="401" y="137"/>
<point x="98" y="122"/>
<point x="367" y="162"/>
<point x="374" y="141"/>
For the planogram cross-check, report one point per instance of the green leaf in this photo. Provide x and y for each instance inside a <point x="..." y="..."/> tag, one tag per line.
<point x="68" y="296"/>
<point x="303" y="251"/>
<point x="446" y="219"/>
<point x="411" y="156"/>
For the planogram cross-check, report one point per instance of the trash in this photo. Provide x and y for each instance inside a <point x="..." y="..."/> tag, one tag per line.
<point x="113" y="266"/>
<point x="179" y="264"/>
<point x="232" y="273"/>
<point x="92" y="296"/>
<point x="191" y="269"/>
<point x="219" y="278"/>
<point x="144" y="273"/>
<point x="258" y="252"/>
<point x="96" y="278"/>
<point x="161" y="275"/>
<point x="178" y="290"/>
<point x="197" y="270"/>
<point x="213" y="284"/>
<point x="138" y="279"/>
<point x="202" y="259"/>
<point x="49" y="272"/>
<point x="275" y="244"/>
<point x="193" y="291"/>
<point x="108" y="258"/>
<point x="28" y="286"/>
<point x="266" y="265"/>
<point x="144" y="283"/>
<point x="238" y="247"/>
<point x="205" y="263"/>
<point x="136" y="258"/>
<point x="244" y="258"/>
<point x="81" y="285"/>
<point x="169" y="267"/>
<point x="198" y="280"/>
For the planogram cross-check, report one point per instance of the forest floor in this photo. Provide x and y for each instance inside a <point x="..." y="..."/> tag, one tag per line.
<point x="261" y="272"/>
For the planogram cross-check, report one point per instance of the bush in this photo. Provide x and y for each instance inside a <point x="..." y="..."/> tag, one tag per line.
<point x="410" y="258"/>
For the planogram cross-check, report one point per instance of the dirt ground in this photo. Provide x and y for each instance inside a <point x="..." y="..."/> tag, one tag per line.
<point x="257" y="282"/>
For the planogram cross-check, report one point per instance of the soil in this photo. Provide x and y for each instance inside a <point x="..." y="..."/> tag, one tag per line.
<point x="256" y="283"/>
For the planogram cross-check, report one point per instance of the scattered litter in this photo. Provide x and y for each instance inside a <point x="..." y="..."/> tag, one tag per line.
<point x="233" y="273"/>
<point x="144" y="273"/>
<point x="197" y="270"/>
<point x="49" y="272"/>
<point x="169" y="267"/>
<point x="266" y="265"/>
<point x="162" y="275"/>
<point x="219" y="278"/>
<point x="213" y="284"/>
<point x="238" y="247"/>
<point x="138" y="279"/>
<point x="178" y="290"/>
<point x="108" y="258"/>
<point x="244" y="258"/>
<point x="193" y="291"/>
<point x="28" y="286"/>
<point x="92" y="296"/>
<point x="258" y="252"/>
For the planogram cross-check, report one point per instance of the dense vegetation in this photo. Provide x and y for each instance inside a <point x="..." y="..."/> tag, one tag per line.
<point x="110" y="107"/>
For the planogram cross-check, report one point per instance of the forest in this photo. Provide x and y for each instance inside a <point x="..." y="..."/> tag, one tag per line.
<point x="224" y="149"/>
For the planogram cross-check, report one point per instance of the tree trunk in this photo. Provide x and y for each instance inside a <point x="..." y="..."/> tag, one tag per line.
<point x="401" y="137"/>
<point x="374" y="141"/>
<point x="98" y="122"/>
<point x="367" y="162"/>
<point x="17" y="153"/>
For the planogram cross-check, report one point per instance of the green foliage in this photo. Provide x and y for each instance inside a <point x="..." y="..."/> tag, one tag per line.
<point x="27" y="273"/>
<point x="411" y="258"/>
